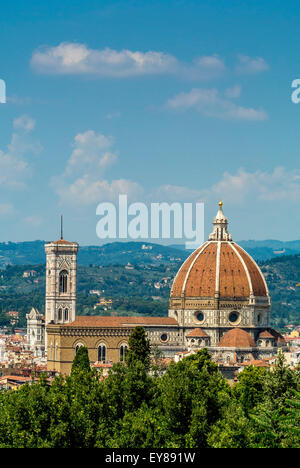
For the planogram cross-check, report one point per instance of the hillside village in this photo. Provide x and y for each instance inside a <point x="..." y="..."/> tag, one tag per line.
<point x="137" y="288"/>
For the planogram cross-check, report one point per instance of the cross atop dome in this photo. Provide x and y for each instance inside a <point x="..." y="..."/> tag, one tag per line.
<point x="220" y="226"/>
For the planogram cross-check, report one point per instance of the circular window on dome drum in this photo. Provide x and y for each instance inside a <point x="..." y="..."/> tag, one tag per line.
<point x="164" y="337"/>
<point x="234" y="317"/>
<point x="199" y="316"/>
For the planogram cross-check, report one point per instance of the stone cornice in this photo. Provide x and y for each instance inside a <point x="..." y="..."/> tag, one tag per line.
<point x="87" y="331"/>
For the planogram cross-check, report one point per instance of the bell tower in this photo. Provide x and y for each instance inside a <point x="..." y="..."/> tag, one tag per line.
<point x="61" y="281"/>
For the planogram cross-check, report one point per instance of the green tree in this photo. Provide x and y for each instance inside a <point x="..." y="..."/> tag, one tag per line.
<point x="271" y="416"/>
<point x="250" y="387"/>
<point x="279" y="384"/>
<point x="291" y="420"/>
<point x="233" y="429"/>
<point x="280" y="427"/>
<point x="192" y="394"/>
<point x="139" y="348"/>
<point x="202" y="360"/>
<point x="139" y="429"/>
<point x="81" y="361"/>
<point x="25" y="416"/>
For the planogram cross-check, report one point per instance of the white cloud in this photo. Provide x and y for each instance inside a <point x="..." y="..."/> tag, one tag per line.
<point x="205" y="68"/>
<point x="13" y="170"/>
<point x="233" y="92"/>
<point x="83" y="182"/>
<point x="91" y="153"/>
<point x="279" y="184"/>
<point x="210" y="103"/>
<point x="15" y="165"/>
<point x="210" y="62"/>
<point x="88" y="190"/>
<point x="76" y="58"/>
<point x="24" y="122"/>
<point x="251" y="66"/>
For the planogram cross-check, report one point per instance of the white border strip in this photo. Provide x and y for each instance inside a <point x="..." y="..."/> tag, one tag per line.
<point x="218" y="262"/>
<point x="192" y="264"/>
<point x="261" y="274"/>
<point x="245" y="267"/>
<point x="186" y="260"/>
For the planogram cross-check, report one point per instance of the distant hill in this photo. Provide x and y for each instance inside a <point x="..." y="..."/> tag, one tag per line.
<point x="116" y="253"/>
<point x="267" y="249"/>
<point x="136" y="253"/>
<point x="141" y="289"/>
<point x="282" y="275"/>
<point x="21" y="253"/>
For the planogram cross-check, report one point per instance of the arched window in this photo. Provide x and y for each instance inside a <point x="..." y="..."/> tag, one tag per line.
<point x="59" y="315"/>
<point x="66" y="315"/>
<point x="102" y="353"/>
<point x="78" y="346"/>
<point x="123" y="351"/>
<point x="63" y="281"/>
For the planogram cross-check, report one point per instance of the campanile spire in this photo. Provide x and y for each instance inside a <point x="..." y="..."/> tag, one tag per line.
<point x="61" y="227"/>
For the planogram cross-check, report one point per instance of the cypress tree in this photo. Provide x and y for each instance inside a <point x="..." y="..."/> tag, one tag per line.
<point x="139" y="348"/>
<point x="81" y="361"/>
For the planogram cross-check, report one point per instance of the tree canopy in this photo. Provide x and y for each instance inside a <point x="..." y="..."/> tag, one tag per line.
<point x="190" y="405"/>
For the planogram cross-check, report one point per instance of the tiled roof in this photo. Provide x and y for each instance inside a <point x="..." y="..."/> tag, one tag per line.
<point x="277" y="335"/>
<point x="16" y="378"/>
<point x="236" y="338"/>
<point x="63" y="241"/>
<point x="102" y="365"/>
<point x="99" y="321"/>
<point x="256" y="363"/>
<point x="198" y="332"/>
<point x="265" y="334"/>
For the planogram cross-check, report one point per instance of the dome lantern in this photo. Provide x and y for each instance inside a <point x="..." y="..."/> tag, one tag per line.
<point x="220" y="223"/>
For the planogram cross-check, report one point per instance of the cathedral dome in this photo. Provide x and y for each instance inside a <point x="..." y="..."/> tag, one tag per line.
<point x="236" y="338"/>
<point x="219" y="268"/>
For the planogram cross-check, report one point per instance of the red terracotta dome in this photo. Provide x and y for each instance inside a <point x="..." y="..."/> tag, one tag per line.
<point x="236" y="338"/>
<point x="198" y="332"/>
<point x="219" y="267"/>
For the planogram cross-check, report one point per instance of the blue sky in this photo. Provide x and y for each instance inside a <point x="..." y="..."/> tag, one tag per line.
<point x="163" y="100"/>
